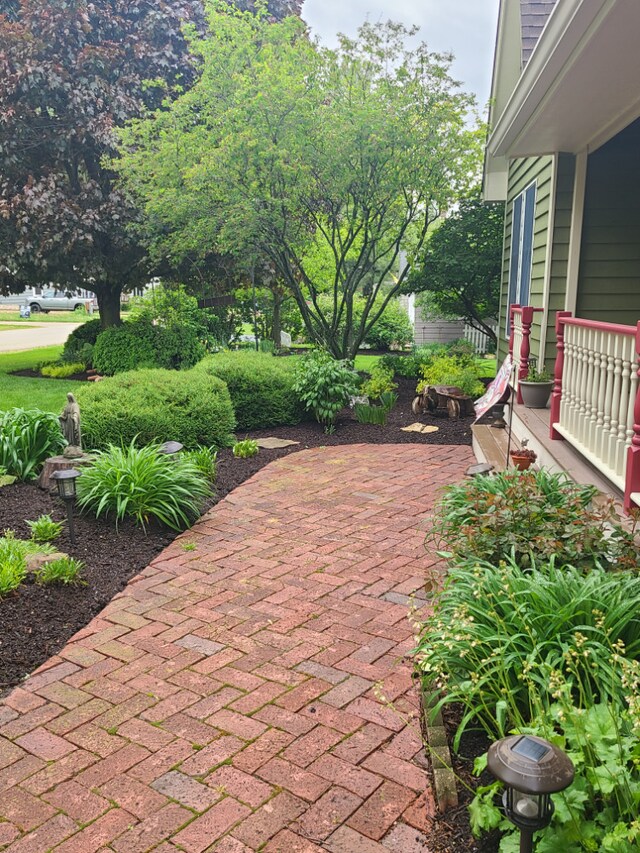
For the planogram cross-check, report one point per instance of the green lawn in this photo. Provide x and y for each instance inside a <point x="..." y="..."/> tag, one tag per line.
<point x="9" y="327"/>
<point x="51" y="317"/>
<point x="19" y="391"/>
<point x="487" y="366"/>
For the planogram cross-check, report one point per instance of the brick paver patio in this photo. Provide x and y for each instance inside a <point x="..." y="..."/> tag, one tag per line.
<point x="237" y="697"/>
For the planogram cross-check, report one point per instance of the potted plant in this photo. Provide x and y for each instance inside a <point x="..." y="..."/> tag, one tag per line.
<point x="523" y="458"/>
<point x="536" y="388"/>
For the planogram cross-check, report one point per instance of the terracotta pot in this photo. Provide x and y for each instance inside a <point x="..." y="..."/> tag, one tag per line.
<point x="521" y="462"/>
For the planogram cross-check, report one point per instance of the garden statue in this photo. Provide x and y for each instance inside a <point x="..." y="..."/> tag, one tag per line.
<point x="70" y="423"/>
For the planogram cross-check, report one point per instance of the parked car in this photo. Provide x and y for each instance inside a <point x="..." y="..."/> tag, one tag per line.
<point x="57" y="300"/>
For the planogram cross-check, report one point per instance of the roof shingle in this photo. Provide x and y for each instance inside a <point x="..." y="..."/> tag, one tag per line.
<point x="534" y="15"/>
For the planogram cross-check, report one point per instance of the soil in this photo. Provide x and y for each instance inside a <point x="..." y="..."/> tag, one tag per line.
<point x="37" y="621"/>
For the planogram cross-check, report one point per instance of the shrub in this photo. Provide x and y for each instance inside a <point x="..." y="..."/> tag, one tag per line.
<point x="533" y="515"/>
<point x="45" y="529"/>
<point x="497" y="634"/>
<point x="245" y="449"/>
<point x="84" y="335"/>
<point x="144" y="484"/>
<point x="393" y="329"/>
<point x="324" y="385"/>
<point x="61" y="371"/>
<point x="27" y="438"/>
<point x="449" y="370"/>
<point x="157" y="405"/>
<point x="379" y="383"/>
<point x="65" y="570"/>
<point x="261" y="387"/>
<point x="138" y="343"/>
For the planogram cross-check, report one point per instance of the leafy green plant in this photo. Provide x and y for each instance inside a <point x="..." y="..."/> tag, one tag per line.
<point x="497" y="631"/>
<point x="380" y="382"/>
<point x="144" y="484"/>
<point x="13" y="563"/>
<point x="66" y="571"/>
<point x="81" y="337"/>
<point x="45" y="529"/>
<point x="449" y="370"/>
<point x="6" y="479"/>
<point x="388" y="400"/>
<point x="324" y="385"/>
<point x="205" y="459"/>
<point x="157" y="405"/>
<point x="27" y="438"/>
<point x="245" y="449"/>
<point x="260" y="386"/>
<point x="535" y="375"/>
<point x="532" y="515"/>
<point x="366" y="414"/>
<point x="62" y="371"/>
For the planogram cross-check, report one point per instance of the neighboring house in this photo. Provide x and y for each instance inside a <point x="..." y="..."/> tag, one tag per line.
<point x="430" y="330"/>
<point x="564" y="153"/>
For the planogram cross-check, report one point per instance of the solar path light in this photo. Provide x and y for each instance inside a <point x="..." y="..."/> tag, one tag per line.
<point x="66" y="483"/>
<point x="531" y="769"/>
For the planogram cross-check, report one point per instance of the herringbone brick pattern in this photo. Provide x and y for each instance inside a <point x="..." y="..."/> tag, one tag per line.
<point x="251" y="694"/>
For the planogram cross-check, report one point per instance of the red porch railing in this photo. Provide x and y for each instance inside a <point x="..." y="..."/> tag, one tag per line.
<point x="520" y="322"/>
<point x="595" y="403"/>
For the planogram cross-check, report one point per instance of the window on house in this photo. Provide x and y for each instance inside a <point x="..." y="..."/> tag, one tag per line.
<point x="523" y="220"/>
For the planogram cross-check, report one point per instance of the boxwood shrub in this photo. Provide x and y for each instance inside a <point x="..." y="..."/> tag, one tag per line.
<point x="138" y="343"/>
<point x="261" y="387"/>
<point x="85" y="335"/>
<point x="192" y="407"/>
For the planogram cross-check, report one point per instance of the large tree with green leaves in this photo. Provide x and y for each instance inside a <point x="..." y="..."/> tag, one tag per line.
<point x="459" y="271"/>
<point x="72" y="72"/>
<point x="325" y="163"/>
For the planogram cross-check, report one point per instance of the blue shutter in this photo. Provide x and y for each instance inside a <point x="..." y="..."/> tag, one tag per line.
<point x="526" y="251"/>
<point x="514" y="259"/>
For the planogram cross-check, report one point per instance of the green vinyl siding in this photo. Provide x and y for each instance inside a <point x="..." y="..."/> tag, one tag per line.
<point x="522" y="173"/>
<point x="609" y="276"/>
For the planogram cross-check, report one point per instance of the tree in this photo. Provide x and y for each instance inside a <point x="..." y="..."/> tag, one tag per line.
<point x="72" y="72"/>
<point x="459" y="271"/>
<point x="296" y="153"/>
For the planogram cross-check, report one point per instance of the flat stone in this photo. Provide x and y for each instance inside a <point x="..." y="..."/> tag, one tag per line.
<point x="37" y="561"/>
<point x="274" y="443"/>
<point x="422" y="428"/>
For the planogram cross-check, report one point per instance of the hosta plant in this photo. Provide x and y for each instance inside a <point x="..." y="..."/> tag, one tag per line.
<point x="245" y="449"/>
<point x="144" y="484"/>
<point x="45" y="529"/>
<point x="27" y="438"/>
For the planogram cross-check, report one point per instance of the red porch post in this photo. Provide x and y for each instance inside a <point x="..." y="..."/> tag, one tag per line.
<point x="633" y="454"/>
<point x="525" y="348"/>
<point x="556" y="395"/>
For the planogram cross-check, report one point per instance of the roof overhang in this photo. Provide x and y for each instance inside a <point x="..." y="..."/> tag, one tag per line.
<point x="581" y="85"/>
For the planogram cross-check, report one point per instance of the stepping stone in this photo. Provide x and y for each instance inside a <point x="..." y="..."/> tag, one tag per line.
<point x="422" y="428"/>
<point x="274" y="443"/>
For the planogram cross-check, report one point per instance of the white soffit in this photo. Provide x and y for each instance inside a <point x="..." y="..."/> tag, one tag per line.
<point x="582" y="83"/>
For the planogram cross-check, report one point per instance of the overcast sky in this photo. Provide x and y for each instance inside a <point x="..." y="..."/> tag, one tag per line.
<point x="467" y="28"/>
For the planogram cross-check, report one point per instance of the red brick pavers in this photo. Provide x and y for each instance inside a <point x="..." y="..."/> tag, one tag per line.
<point x="253" y="693"/>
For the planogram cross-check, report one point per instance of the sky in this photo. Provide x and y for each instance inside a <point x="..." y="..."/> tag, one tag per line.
<point x="466" y="28"/>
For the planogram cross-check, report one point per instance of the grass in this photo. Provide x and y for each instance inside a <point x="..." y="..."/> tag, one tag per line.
<point x="19" y="391"/>
<point x="487" y="366"/>
<point x="366" y="363"/>
<point x="9" y="327"/>
<point x="52" y="317"/>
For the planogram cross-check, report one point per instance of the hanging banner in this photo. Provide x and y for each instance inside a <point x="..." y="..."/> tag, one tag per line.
<point x="495" y="390"/>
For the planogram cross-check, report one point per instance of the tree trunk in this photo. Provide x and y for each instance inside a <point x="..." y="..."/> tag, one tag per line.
<point x="109" y="307"/>
<point x="276" y="319"/>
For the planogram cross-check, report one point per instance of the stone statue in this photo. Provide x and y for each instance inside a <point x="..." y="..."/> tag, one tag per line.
<point x="70" y="423"/>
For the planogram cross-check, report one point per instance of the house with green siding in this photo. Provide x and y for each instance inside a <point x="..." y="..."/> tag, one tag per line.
<point x="563" y="152"/>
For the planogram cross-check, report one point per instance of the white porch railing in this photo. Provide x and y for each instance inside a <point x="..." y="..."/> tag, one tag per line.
<point x="595" y="403"/>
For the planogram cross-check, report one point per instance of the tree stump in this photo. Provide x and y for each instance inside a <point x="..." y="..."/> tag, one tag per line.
<point x="58" y="463"/>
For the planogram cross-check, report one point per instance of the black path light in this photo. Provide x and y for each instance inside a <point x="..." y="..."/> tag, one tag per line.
<point x="531" y="769"/>
<point x="66" y="483"/>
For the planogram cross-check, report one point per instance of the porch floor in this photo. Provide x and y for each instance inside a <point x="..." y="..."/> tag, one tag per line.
<point x="490" y="445"/>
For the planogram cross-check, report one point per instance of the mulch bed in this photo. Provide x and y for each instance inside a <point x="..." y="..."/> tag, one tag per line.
<point x="37" y="621"/>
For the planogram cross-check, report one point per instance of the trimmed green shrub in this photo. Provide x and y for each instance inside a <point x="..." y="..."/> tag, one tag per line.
<point x="261" y="387"/>
<point x="392" y="329"/>
<point x="27" y="438"/>
<point x="143" y="483"/>
<point x="192" y="407"/>
<point x="138" y="343"/>
<point x="86" y="334"/>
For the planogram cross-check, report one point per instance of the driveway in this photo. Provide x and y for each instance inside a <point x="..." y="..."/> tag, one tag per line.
<point x="34" y="335"/>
